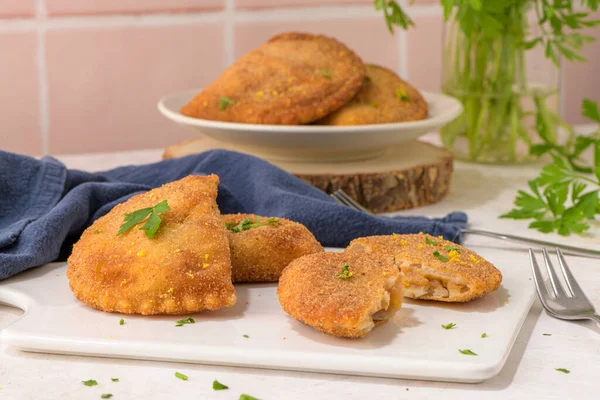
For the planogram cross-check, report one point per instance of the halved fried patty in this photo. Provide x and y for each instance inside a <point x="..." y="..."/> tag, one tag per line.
<point x="260" y="253"/>
<point x="315" y="290"/>
<point x="294" y="78"/>
<point x="183" y="269"/>
<point x="434" y="268"/>
<point x="383" y="98"/>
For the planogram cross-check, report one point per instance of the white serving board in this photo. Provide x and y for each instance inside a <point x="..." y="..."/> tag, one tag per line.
<point x="413" y="345"/>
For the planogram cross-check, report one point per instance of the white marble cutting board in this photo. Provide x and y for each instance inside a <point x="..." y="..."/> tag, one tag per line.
<point x="412" y="345"/>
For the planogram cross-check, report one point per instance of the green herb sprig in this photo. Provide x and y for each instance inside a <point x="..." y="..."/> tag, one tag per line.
<point x="565" y="196"/>
<point x="225" y="102"/>
<point x="185" y="321"/>
<point x="152" y="224"/>
<point x="449" y="326"/>
<point x="346" y="273"/>
<point x="90" y="382"/>
<point x="247" y="223"/>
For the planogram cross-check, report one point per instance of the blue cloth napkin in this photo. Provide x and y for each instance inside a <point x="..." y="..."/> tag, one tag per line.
<point x="44" y="206"/>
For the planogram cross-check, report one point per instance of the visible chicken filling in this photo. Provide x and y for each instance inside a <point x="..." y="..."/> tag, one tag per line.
<point x="388" y="305"/>
<point x="421" y="281"/>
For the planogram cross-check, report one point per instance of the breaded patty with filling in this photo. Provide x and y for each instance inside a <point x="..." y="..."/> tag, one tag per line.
<point x="383" y="98"/>
<point x="341" y="294"/>
<point x="434" y="268"/>
<point x="294" y="78"/>
<point x="262" y="247"/>
<point x="184" y="268"/>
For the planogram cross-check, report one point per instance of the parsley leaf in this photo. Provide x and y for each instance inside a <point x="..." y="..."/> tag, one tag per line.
<point x="590" y="110"/>
<point x="225" y="102"/>
<point x="188" y="320"/>
<point x="246" y="397"/>
<point x="122" y="322"/>
<point x="154" y="220"/>
<point x="393" y="14"/>
<point x="451" y="248"/>
<point x="219" y="386"/>
<point x="547" y="334"/>
<point x="484" y="335"/>
<point x="325" y="73"/>
<point x="246" y="336"/>
<point x="181" y="376"/>
<point x="114" y="379"/>
<point x="247" y="223"/>
<point x="467" y="352"/>
<point x="449" y="326"/>
<point x="564" y="370"/>
<point x="90" y="382"/>
<point x="106" y="396"/>
<point x="431" y="242"/>
<point x="401" y="94"/>
<point x="440" y="257"/>
<point x="345" y="274"/>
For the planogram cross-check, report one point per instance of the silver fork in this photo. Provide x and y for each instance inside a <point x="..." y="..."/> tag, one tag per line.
<point x="342" y="198"/>
<point x="561" y="302"/>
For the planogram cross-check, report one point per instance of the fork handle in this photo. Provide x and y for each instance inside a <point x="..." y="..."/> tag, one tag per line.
<point x="578" y="251"/>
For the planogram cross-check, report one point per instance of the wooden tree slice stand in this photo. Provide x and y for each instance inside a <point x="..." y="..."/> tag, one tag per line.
<point x="405" y="176"/>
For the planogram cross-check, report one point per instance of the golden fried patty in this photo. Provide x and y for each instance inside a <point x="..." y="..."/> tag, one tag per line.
<point x="294" y="78"/>
<point x="184" y="268"/>
<point x="341" y="294"/>
<point x="262" y="247"/>
<point x="434" y="268"/>
<point x="383" y="98"/>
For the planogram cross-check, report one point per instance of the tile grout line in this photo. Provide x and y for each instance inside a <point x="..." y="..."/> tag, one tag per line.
<point x="229" y="33"/>
<point x="42" y="77"/>
<point x="229" y="14"/>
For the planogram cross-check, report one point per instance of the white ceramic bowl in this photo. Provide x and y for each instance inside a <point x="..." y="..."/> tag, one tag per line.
<point x="314" y="142"/>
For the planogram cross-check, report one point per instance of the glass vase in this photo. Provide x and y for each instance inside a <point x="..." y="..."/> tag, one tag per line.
<point x="509" y="94"/>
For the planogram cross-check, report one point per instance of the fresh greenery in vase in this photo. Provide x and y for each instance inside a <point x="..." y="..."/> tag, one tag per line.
<point x="485" y="54"/>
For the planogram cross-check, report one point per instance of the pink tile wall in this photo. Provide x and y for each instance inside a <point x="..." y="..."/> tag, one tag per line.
<point x="17" y="8"/>
<point x="104" y="73"/>
<point x="378" y="46"/>
<point x="19" y="101"/>
<point x="104" y="83"/>
<point x="74" y="7"/>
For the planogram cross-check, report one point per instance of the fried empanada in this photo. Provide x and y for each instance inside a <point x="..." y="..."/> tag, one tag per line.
<point x="183" y="269"/>
<point x="294" y="78"/>
<point x="434" y="268"/>
<point x="262" y="247"/>
<point x="383" y="98"/>
<point x="341" y="294"/>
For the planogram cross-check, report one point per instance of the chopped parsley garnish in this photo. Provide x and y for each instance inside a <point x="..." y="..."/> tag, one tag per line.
<point x="373" y="105"/>
<point x="247" y="223"/>
<point x="122" y="322"/>
<point x="452" y="248"/>
<point x="345" y="274"/>
<point x="188" y="320"/>
<point x="431" y="242"/>
<point x="97" y="231"/>
<point x="246" y="336"/>
<point x="247" y="397"/>
<point x="440" y="257"/>
<point x="90" y="382"/>
<point x="325" y="73"/>
<point x="401" y="94"/>
<point x="547" y="334"/>
<point x="564" y="370"/>
<point x="181" y="376"/>
<point x="106" y="396"/>
<point x="153" y="222"/>
<point x="467" y="352"/>
<point x="449" y="326"/>
<point x="114" y="379"/>
<point x="219" y="386"/>
<point x="483" y="335"/>
<point x="225" y="102"/>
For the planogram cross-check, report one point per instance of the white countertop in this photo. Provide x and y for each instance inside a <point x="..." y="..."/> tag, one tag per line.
<point x="483" y="192"/>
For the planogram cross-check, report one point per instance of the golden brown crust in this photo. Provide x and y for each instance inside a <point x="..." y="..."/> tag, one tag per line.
<point x="183" y="269"/>
<point x="420" y="266"/>
<point x="283" y="83"/>
<point x="260" y="254"/>
<point x="311" y="293"/>
<point x="377" y="102"/>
